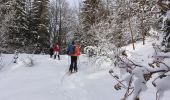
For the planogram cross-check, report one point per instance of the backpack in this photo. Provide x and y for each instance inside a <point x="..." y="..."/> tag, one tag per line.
<point x="71" y="49"/>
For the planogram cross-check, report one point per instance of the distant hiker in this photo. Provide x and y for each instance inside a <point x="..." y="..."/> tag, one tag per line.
<point x="51" y="52"/>
<point x="73" y="51"/>
<point x="15" y="57"/>
<point x="56" y="49"/>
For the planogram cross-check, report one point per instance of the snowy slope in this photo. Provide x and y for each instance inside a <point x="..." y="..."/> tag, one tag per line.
<point x="48" y="78"/>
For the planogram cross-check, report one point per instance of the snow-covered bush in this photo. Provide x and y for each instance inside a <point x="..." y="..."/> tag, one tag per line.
<point x="136" y="76"/>
<point x="27" y="62"/>
<point x="91" y="51"/>
<point x="106" y="48"/>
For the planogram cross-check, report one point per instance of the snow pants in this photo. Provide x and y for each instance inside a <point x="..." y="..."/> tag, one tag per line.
<point x="73" y="64"/>
<point x="56" y="53"/>
<point x="51" y="52"/>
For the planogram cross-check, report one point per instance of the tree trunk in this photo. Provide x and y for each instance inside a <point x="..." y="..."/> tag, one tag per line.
<point x="59" y="32"/>
<point x="131" y="34"/>
<point x="143" y="34"/>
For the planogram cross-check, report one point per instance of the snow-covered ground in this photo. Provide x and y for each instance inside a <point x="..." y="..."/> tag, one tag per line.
<point x="48" y="79"/>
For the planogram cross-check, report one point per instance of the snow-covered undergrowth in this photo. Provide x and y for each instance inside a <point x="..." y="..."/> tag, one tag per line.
<point x="47" y="79"/>
<point x="143" y="69"/>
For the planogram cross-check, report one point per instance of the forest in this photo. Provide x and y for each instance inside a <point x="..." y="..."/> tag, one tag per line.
<point x="109" y="33"/>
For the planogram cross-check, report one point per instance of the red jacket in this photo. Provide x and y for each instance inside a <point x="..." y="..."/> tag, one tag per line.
<point x="56" y="47"/>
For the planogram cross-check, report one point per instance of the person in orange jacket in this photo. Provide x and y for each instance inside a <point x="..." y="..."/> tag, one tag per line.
<point x="73" y="51"/>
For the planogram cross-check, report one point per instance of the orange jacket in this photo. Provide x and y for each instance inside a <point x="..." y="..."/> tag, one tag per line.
<point x="77" y="51"/>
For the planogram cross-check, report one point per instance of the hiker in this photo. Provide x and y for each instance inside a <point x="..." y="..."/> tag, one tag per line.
<point x="51" y="52"/>
<point x="15" y="57"/>
<point x="73" y="51"/>
<point x="56" y="50"/>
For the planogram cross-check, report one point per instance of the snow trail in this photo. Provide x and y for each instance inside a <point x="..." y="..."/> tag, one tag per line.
<point x="48" y="80"/>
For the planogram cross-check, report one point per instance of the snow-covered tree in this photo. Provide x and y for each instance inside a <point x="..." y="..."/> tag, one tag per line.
<point x="165" y="12"/>
<point x="143" y="11"/>
<point x="3" y="36"/>
<point x="40" y="24"/>
<point x="111" y="33"/>
<point x="20" y="28"/>
<point x="135" y="14"/>
<point x="7" y="13"/>
<point x="29" y="36"/>
<point x="63" y="20"/>
<point x="92" y="13"/>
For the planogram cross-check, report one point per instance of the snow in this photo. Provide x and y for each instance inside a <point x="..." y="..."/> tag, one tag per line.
<point x="47" y="79"/>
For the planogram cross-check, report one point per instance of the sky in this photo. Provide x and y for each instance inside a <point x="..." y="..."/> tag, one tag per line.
<point x="74" y="3"/>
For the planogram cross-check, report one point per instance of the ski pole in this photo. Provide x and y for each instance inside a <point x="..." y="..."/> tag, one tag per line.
<point x="78" y="62"/>
<point x="68" y="60"/>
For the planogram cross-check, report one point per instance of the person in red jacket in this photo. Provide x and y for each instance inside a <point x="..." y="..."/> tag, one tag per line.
<point x="73" y="50"/>
<point x="56" y="50"/>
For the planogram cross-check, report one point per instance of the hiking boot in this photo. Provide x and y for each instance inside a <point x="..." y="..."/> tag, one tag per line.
<point x="70" y="71"/>
<point x="54" y="56"/>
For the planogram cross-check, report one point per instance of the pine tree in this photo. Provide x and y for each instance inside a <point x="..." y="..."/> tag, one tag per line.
<point x="29" y="35"/>
<point x="20" y="28"/>
<point x="165" y="12"/>
<point x="3" y="28"/>
<point x="6" y="22"/>
<point x="40" y="22"/>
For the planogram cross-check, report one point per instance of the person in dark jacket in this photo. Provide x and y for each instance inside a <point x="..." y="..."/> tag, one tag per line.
<point x="51" y="52"/>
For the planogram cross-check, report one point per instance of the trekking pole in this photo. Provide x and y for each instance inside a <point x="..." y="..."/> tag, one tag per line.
<point x="68" y="61"/>
<point x="78" y="62"/>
